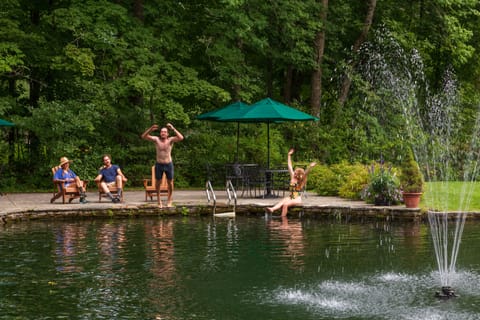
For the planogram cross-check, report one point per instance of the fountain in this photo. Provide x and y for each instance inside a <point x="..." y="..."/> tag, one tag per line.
<point x="446" y="293"/>
<point x="431" y="122"/>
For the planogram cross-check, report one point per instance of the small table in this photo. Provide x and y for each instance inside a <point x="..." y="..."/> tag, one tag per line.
<point x="240" y="175"/>
<point x="277" y="180"/>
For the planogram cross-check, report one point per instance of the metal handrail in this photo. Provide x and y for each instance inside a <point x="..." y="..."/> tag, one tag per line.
<point x="231" y="192"/>
<point x="211" y="194"/>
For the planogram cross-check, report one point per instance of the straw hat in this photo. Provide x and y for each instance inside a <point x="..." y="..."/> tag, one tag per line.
<point x="64" y="160"/>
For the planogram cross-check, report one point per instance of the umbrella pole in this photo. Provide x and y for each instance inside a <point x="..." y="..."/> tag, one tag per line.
<point x="268" y="145"/>
<point x="238" y="136"/>
<point x="268" y="174"/>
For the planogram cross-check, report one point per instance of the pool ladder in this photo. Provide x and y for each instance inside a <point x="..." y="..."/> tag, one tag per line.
<point x="232" y="195"/>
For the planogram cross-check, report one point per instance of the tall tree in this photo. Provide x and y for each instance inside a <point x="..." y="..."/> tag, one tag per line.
<point x="345" y="87"/>
<point x="319" y="45"/>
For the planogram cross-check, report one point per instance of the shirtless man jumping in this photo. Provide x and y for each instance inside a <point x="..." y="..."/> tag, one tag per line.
<point x="163" y="145"/>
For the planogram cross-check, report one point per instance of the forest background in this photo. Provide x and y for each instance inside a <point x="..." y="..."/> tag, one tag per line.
<point x="81" y="78"/>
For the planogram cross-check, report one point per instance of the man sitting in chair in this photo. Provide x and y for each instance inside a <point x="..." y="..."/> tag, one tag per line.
<point x="66" y="176"/>
<point x="110" y="175"/>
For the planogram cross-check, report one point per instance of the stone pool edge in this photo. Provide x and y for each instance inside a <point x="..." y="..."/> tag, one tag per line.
<point x="36" y="206"/>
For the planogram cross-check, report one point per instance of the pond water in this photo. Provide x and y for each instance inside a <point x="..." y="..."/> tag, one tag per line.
<point x="245" y="268"/>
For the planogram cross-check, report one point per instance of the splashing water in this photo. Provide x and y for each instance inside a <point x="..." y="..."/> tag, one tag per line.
<point x="439" y="228"/>
<point x="432" y="122"/>
<point x="379" y="296"/>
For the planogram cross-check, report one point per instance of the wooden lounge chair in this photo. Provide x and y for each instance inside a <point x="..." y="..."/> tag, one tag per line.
<point x="113" y="190"/>
<point x="149" y="185"/>
<point x="70" y="192"/>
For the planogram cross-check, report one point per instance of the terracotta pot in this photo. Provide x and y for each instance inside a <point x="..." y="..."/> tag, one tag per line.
<point x="412" y="199"/>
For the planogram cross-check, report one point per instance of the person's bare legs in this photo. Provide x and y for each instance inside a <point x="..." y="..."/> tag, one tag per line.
<point x="79" y="183"/>
<point x="119" y="184"/>
<point x="169" y="193"/>
<point x="277" y="206"/>
<point x="105" y="190"/>
<point x="290" y="203"/>
<point x="104" y="187"/>
<point x="82" y="190"/>
<point x="157" y="187"/>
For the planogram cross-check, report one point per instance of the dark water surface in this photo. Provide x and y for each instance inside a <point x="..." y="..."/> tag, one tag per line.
<point x="246" y="268"/>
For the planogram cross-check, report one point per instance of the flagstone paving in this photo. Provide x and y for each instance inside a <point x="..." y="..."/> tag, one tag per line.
<point x="26" y="206"/>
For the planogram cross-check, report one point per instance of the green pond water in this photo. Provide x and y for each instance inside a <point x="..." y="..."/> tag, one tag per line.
<point x="245" y="268"/>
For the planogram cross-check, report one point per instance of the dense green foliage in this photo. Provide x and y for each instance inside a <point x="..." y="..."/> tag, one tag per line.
<point x="80" y="78"/>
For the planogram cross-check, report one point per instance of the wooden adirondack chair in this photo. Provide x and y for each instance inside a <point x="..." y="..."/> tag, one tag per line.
<point x="113" y="190"/>
<point x="70" y="192"/>
<point x="149" y="185"/>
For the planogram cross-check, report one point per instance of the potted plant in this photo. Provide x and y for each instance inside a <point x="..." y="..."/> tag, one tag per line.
<point x="411" y="181"/>
<point x="383" y="188"/>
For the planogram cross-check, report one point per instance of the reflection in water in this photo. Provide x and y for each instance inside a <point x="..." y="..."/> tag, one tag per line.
<point x="290" y="233"/>
<point x="70" y="243"/>
<point x="111" y="241"/>
<point x="221" y="239"/>
<point x="160" y="252"/>
<point x="242" y="268"/>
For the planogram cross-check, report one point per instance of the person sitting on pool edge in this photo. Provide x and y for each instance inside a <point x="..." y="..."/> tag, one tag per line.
<point x="298" y="180"/>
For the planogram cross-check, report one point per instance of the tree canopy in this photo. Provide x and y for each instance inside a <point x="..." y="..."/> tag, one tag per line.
<point x="81" y="78"/>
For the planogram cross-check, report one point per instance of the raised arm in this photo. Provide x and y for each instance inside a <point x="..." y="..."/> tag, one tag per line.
<point x="146" y="135"/>
<point x="178" y="136"/>
<point x="289" y="162"/>
<point x="313" y="164"/>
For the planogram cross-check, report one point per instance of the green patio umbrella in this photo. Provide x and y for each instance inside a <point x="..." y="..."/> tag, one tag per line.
<point x="267" y="111"/>
<point x="5" y="123"/>
<point x="229" y="110"/>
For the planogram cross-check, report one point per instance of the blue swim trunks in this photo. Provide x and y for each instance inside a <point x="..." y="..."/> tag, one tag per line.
<point x="160" y="168"/>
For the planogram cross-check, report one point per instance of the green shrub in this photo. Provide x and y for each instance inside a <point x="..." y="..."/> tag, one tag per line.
<point x="355" y="183"/>
<point x="342" y="171"/>
<point x="411" y="179"/>
<point x="335" y="180"/>
<point x="323" y="181"/>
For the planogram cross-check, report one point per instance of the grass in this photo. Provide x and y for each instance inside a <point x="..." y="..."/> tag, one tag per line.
<point x="452" y="196"/>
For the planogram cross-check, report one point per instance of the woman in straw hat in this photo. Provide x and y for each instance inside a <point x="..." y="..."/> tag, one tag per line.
<point x="66" y="175"/>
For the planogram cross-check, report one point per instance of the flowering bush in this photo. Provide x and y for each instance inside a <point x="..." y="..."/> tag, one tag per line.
<point x="383" y="187"/>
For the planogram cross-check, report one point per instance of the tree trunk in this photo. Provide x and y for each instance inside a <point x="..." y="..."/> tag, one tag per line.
<point x="237" y="88"/>
<point x="316" y="81"/>
<point x="138" y="10"/>
<point x="269" y="78"/>
<point x="347" y="82"/>
<point x="34" y="85"/>
<point x="287" y="89"/>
